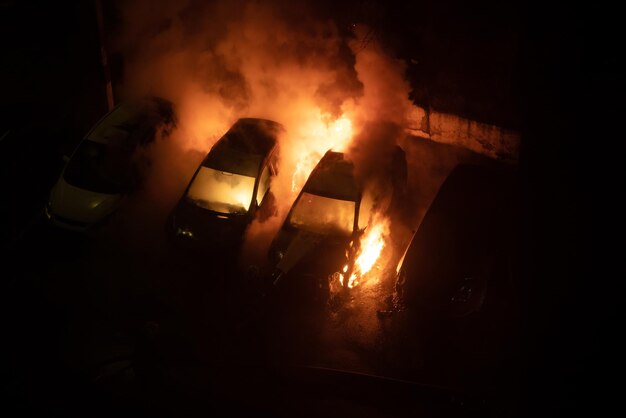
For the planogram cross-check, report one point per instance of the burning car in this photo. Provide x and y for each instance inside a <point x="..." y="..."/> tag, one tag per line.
<point x="101" y="170"/>
<point x="230" y="187"/>
<point x="324" y="233"/>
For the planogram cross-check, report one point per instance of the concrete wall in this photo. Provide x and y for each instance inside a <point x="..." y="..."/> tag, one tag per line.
<point x="490" y="140"/>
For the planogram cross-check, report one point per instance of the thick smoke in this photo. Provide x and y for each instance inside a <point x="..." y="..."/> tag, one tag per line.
<point x="222" y="60"/>
<point x="381" y="118"/>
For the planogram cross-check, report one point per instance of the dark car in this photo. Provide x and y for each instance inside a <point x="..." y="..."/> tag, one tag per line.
<point x="321" y="231"/>
<point x="229" y="188"/>
<point x="464" y="243"/>
<point x="458" y="289"/>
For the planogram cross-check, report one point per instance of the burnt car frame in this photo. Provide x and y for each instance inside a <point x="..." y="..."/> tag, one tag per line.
<point x="322" y="230"/>
<point x="229" y="188"/>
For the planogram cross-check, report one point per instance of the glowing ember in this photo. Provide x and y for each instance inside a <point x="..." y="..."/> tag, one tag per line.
<point x="371" y="247"/>
<point x="323" y="135"/>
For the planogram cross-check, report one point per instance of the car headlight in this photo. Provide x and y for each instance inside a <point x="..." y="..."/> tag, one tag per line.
<point x="48" y="210"/>
<point x="185" y="232"/>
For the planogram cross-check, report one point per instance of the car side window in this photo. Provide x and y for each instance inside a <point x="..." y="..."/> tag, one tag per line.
<point x="264" y="185"/>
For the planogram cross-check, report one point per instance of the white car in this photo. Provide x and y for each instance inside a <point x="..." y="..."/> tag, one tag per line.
<point x="100" y="171"/>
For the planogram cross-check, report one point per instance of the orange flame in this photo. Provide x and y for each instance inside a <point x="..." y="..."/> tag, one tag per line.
<point x="324" y="135"/>
<point x="372" y="245"/>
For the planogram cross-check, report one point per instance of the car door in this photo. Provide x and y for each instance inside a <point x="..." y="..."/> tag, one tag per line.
<point x="265" y="202"/>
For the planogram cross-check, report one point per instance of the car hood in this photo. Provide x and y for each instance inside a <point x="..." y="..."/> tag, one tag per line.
<point x="76" y="204"/>
<point x="299" y="247"/>
<point x="212" y="229"/>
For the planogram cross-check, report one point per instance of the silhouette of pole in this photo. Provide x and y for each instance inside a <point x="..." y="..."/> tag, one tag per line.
<point x="104" y="61"/>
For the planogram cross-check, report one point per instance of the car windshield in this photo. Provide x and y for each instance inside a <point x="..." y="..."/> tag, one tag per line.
<point x="119" y="123"/>
<point x="323" y="215"/>
<point x="221" y="191"/>
<point x="99" y="167"/>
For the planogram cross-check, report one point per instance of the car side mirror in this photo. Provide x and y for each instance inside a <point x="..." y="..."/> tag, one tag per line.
<point x="267" y="206"/>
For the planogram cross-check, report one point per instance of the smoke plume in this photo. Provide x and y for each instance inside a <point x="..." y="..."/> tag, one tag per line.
<point x="222" y="60"/>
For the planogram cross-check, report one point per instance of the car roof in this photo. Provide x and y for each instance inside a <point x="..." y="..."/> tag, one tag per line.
<point x="244" y="147"/>
<point x="119" y="123"/>
<point x="333" y="177"/>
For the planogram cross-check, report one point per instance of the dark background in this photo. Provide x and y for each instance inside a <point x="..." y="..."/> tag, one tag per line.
<point x="553" y="72"/>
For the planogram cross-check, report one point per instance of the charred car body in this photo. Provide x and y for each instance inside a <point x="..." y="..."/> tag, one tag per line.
<point x="321" y="232"/>
<point x="229" y="188"/>
<point x="102" y="168"/>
